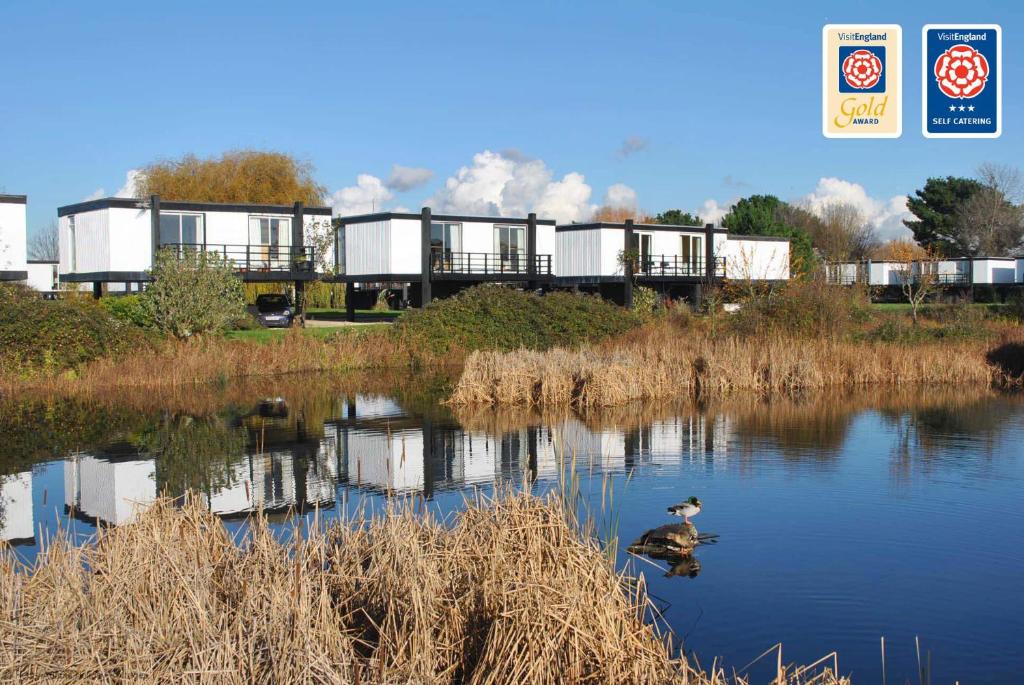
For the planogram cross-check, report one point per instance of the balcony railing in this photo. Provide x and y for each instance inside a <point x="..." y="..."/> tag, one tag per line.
<point x="676" y="266"/>
<point x="484" y="263"/>
<point x="255" y="257"/>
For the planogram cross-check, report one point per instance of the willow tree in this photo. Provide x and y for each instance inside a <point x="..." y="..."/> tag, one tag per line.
<point x="251" y="176"/>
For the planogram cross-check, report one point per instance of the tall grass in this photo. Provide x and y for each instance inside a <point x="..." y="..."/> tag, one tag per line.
<point x="509" y="592"/>
<point x="661" y="362"/>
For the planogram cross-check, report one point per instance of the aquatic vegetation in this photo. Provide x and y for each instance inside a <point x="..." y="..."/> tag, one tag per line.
<point x="658" y="363"/>
<point x="508" y="591"/>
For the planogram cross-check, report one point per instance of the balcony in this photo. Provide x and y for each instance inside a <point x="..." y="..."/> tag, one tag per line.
<point x="676" y="266"/>
<point x="256" y="259"/>
<point x="484" y="264"/>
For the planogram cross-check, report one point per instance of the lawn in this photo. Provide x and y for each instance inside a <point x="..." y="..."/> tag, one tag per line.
<point x="264" y="335"/>
<point x="326" y="314"/>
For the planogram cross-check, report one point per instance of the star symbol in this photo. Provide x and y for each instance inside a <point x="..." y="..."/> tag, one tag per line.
<point x="962" y="108"/>
<point x="952" y="108"/>
<point x="971" y="108"/>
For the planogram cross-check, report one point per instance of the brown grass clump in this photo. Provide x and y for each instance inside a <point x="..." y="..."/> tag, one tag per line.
<point x="661" y="362"/>
<point x="509" y="592"/>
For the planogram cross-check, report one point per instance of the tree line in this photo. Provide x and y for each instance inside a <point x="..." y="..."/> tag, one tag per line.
<point x="952" y="216"/>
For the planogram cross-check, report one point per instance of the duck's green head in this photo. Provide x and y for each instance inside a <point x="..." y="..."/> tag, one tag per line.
<point x="694" y="501"/>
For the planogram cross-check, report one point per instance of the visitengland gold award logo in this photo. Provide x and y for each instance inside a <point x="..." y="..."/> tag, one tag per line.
<point x="862" y="81"/>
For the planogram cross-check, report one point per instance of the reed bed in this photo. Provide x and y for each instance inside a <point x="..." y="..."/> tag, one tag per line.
<point x="508" y="591"/>
<point x="663" y="363"/>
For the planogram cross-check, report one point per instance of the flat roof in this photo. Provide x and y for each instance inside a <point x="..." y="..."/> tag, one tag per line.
<point x="636" y="227"/>
<point x="384" y="216"/>
<point x="185" y="206"/>
<point x="13" y="199"/>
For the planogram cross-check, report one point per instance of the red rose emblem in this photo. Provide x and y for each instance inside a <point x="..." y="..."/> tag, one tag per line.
<point x="961" y="72"/>
<point x="862" y="69"/>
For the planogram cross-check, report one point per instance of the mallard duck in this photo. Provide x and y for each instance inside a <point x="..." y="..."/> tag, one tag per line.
<point x="690" y="507"/>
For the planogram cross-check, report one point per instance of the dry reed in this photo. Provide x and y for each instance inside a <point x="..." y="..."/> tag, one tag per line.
<point x="508" y="592"/>
<point x="664" y="363"/>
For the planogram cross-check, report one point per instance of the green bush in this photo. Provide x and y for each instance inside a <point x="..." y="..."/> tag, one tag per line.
<point x="130" y="309"/>
<point x="499" y="318"/>
<point x="45" y="337"/>
<point x="806" y="307"/>
<point x="193" y="293"/>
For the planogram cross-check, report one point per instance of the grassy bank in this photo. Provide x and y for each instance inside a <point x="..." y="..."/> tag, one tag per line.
<point x="509" y="592"/>
<point x="662" y="361"/>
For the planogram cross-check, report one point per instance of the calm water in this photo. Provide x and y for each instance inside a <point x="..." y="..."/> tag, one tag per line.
<point x="841" y="519"/>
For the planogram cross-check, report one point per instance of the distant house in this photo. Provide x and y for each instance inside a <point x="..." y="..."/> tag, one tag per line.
<point x="677" y="260"/>
<point x="13" y="239"/>
<point x="1002" y="274"/>
<point x="434" y="255"/>
<point x="114" y="240"/>
<point x="43" y="275"/>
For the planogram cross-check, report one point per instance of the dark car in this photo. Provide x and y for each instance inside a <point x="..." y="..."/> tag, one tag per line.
<point x="274" y="311"/>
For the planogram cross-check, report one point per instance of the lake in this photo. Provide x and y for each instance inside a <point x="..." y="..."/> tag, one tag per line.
<point x="841" y="519"/>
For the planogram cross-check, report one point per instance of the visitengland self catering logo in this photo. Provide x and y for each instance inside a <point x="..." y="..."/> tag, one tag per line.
<point x="962" y="81"/>
<point x="862" y="96"/>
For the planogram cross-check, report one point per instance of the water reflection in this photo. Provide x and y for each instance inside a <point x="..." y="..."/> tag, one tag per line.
<point x="291" y="454"/>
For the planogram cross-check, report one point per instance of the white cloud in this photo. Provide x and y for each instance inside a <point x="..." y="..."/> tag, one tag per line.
<point x="712" y="213"/>
<point x="503" y="184"/>
<point x="632" y="145"/>
<point x="886" y="216"/>
<point x="620" y="195"/>
<point x="131" y="178"/>
<point x="95" y="195"/>
<point x="405" y="178"/>
<point x="368" y="195"/>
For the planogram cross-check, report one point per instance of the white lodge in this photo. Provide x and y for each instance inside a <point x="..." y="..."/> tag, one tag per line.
<point x="115" y="239"/>
<point x="13" y="246"/>
<point x="437" y="254"/>
<point x="676" y="260"/>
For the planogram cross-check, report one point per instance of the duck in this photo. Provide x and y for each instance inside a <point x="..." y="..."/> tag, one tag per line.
<point x="690" y="507"/>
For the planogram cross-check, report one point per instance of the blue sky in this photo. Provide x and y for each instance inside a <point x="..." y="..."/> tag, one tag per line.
<point x="717" y="101"/>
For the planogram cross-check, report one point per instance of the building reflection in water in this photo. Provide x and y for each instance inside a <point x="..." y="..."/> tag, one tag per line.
<point x="290" y="465"/>
<point x="17" y="524"/>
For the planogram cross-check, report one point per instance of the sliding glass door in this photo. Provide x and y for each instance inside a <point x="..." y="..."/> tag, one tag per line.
<point x="269" y="240"/>
<point x="510" y="248"/>
<point x="692" y="257"/>
<point x="445" y="241"/>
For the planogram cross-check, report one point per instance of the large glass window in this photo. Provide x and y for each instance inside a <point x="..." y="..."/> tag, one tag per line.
<point x="445" y="238"/>
<point x="269" y="238"/>
<point x="642" y="243"/>
<point x="181" y="229"/>
<point x="691" y="251"/>
<point x="510" y="246"/>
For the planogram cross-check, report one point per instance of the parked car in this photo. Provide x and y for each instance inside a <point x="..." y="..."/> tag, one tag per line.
<point x="274" y="311"/>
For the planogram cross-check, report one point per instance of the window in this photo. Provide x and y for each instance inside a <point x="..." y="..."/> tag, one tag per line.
<point x="692" y="257"/>
<point x="510" y="245"/>
<point x="445" y="238"/>
<point x="72" y="243"/>
<point x="642" y="243"/>
<point x="181" y="229"/>
<point x="269" y="241"/>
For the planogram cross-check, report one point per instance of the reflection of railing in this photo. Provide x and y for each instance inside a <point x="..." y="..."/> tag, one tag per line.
<point x="254" y="257"/>
<point x="677" y="266"/>
<point x="484" y="263"/>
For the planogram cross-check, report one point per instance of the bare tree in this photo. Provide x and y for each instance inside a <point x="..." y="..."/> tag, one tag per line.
<point x="844" y="232"/>
<point x="991" y="221"/>
<point x="916" y="271"/>
<point x="45" y="244"/>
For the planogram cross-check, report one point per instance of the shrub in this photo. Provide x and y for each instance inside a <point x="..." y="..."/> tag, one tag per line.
<point x="40" y="336"/>
<point x="806" y="307"/>
<point x="193" y="293"/>
<point x="645" y="300"/>
<point x="130" y="309"/>
<point x="499" y="318"/>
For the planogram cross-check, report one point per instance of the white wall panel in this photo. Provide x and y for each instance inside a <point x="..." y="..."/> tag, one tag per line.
<point x="131" y="239"/>
<point x="41" y="277"/>
<point x="405" y="246"/>
<point x="368" y="247"/>
<point x="756" y="259"/>
<point x="16" y="522"/>
<point x="13" y="251"/>
<point x="578" y="253"/>
<point x="92" y="242"/>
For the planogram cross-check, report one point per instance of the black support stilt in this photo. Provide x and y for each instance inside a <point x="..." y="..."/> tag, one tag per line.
<point x="425" y="291"/>
<point x="627" y="266"/>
